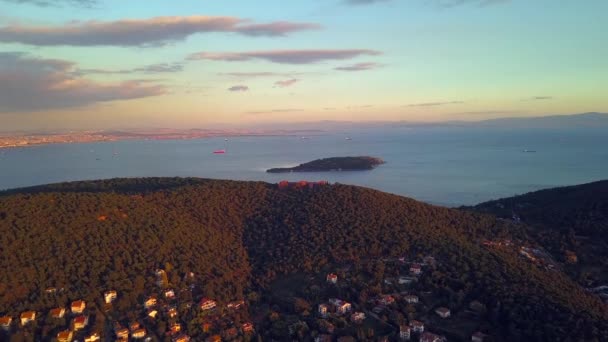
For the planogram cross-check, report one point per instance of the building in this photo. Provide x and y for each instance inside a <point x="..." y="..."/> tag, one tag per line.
<point x="207" y="304"/>
<point x="78" y="307"/>
<point x="332" y="278"/>
<point x="161" y="278"/>
<point x="172" y="312"/>
<point x="478" y="337"/>
<point x="182" y="338"/>
<point x="65" y="336"/>
<point x="429" y="337"/>
<point x="122" y="334"/>
<point x="169" y="294"/>
<point x="357" y="317"/>
<point x="387" y="300"/>
<point x="139" y="334"/>
<point x="443" y="312"/>
<point x="150" y="302"/>
<point x="283" y="184"/>
<point x="57" y="313"/>
<point x="417" y="326"/>
<point x="27" y="316"/>
<point x="405" y="280"/>
<point x="214" y="338"/>
<point x="92" y="338"/>
<point x="323" y="309"/>
<point x="411" y="299"/>
<point x="5" y="322"/>
<point x="342" y="307"/>
<point x="80" y="322"/>
<point x="247" y="327"/>
<point x="109" y="296"/>
<point x="323" y="338"/>
<point x="153" y="314"/>
<point x="404" y="332"/>
<point x="416" y="269"/>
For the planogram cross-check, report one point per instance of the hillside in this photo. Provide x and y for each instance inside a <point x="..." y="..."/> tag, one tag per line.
<point x="566" y="219"/>
<point x="272" y="248"/>
<point x="334" y="164"/>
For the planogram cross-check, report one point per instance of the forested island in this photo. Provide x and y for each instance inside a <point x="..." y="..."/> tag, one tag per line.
<point x="175" y="259"/>
<point x="361" y="163"/>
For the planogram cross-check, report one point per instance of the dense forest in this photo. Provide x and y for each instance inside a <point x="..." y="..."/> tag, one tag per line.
<point x="232" y="241"/>
<point x="572" y="222"/>
<point x="334" y="164"/>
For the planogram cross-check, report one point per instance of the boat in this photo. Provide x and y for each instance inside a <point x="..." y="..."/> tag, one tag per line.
<point x="529" y="151"/>
<point x="219" y="152"/>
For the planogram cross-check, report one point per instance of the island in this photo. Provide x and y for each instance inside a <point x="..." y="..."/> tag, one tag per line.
<point x="361" y="163"/>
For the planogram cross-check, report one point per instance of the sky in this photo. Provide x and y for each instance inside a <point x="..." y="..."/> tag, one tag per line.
<point x="105" y="64"/>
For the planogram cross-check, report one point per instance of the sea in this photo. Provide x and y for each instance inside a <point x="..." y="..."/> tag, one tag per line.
<point x="449" y="166"/>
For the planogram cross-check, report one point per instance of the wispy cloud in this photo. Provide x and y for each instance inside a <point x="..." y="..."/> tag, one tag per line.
<point x="148" y="69"/>
<point x="359" y="67"/>
<point x="539" y="98"/>
<point x="435" y="104"/>
<point x="36" y="84"/>
<point x="286" y="83"/>
<point x="270" y="111"/>
<point x="284" y="56"/>
<point x="142" y="32"/>
<point x="239" y="88"/>
<point x="54" y="3"/>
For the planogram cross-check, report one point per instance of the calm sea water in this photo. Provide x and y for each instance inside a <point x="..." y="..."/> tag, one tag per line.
<point x="447" y="166"/>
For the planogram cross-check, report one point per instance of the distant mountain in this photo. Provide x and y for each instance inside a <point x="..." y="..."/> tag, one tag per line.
<point x="586" y="120"/>
<point x="272" y="248"/>
<point x="572" y="218"/>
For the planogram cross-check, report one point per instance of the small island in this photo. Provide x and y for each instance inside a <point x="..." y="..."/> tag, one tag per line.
<point x="334" y="164"/>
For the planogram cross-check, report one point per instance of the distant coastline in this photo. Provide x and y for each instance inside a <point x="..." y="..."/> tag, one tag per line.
<point x="361" y="163"/>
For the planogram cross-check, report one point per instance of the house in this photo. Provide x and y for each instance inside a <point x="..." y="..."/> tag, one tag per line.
<point x="235" y="305"/>
<point x="323" y="338"/>
<point x="357" y="317"/>
<point x="176" y="328"/>
<point x="57" y="313"/>
<point x="417" y="326"/>
<point x="51" y="290"/>
<point x="161" y="278"/>
<point x="443" y="312"/>
<point x="283" y="184"/>
<point x="247" y="327"/>
<point x="122" y="333"/>
<point x="387" y="300"/>
<point x="214" y="338"/>
<point x="110" y="296"/>
<point x="5" y="322"/>
<point x="150" y="302"/>
<point x="230" y="334"/>
<point x="342" y="307"/>
<point x="139" y="334"/>
<point x="92" y="338"/>
<point x="153" y="314"/>
<point x="182" y="338"/>
<point x="323" y="309"/>
<point x="172" y="312"/>
<point x="332" y="278"/>
<point x="65" y="336"/>
<point x="411" y="299"/>
<point x="429" y="337"/>
<point x="478" y="337"/>
<point x="28" y="316"/>
<point x="134" y="326"/>
<point x="169" y="294"/>
<point x="416" y="269"/>
<point x="80" y="322"/>
<point x="78" y="307"/>
<point x="405" y="280"/>
<point x="207" y="304"/>
<point x="404" y="332"/>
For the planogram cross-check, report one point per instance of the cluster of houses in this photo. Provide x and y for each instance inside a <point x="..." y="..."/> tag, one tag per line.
<point x="301" y="184"/>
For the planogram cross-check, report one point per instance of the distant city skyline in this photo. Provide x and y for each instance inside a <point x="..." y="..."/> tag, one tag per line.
<point x="104" y="64"/>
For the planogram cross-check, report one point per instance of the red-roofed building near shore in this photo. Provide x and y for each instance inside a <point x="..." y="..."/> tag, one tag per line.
<point x="78" y="307"/>
<point x="332" y="278"/>
<point x="80" y="322"/>
<point x="5" y="322"/>
<point x="58" y="313"/>
<point x="65" y="336"/>
<point x="28" y="316"/>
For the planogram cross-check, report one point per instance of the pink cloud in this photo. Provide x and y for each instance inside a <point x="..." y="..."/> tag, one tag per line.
<point x="239" y="88"/>
<point x="284" y="56"/>
<point x="359" y="67"/>
<point x="286" y="83"/>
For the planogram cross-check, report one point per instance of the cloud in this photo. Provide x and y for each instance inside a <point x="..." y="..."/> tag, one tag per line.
<point x="284" y="56"/>
<point x="435" y="104"/>
<point x="148" y="69"/>
<point x="270" y="111"/>
<point x="54" y="3"/>
<point x="141" y="32"/>
<point x="359" y="67"/>
<point x="238" y="88"/>
<point x="35" y="84"/>
<point x="286" y="83"/>
<point x="539" y="98"/>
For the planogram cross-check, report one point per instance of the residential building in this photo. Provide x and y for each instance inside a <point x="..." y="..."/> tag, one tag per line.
<point x="214" y="338"/>
<point x="207" y="304"/>
<point x="153" y="314"/>
<point x="172" y="312"/>
<point x="139" y="334"/>
<point x="430" y="337"/>
<point x="169" y="294"/>
<point x="80" y="322"/>
<point x="122" y="334"/>
<point x="28" y="316"/>
<point x="357" y="317"/>
<point x="332" y="278"/>
<point x="92" y="338"/>
<point x="387" y="300"/>
<point x="416" y="269"/>
<point x="78" y="307"/>
<point x="443" y="312"/>
<point x="150" y="302"/>
<point x="404" y="332"/>
<point x="323" y="309"/>
<point x="403" y="280"/>
<point x="411" y="299"/>
<point x="323" y="338"/>
<point x="57" y="313"/>
<point x="417" y="326"/>
<point x="5" y="322"/>
<point x="110" y="296"/>
<point x="182" y="338"/>
<point x="176" y="328"/>
<point x="247" y="327"/>
<point x="65" y="336"/>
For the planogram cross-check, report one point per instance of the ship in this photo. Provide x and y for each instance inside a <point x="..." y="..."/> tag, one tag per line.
<point x="219" y="152"/>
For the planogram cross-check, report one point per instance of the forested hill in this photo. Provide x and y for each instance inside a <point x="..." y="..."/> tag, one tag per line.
<point x="230" y="240"/>
<point x="566" y="219"/>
